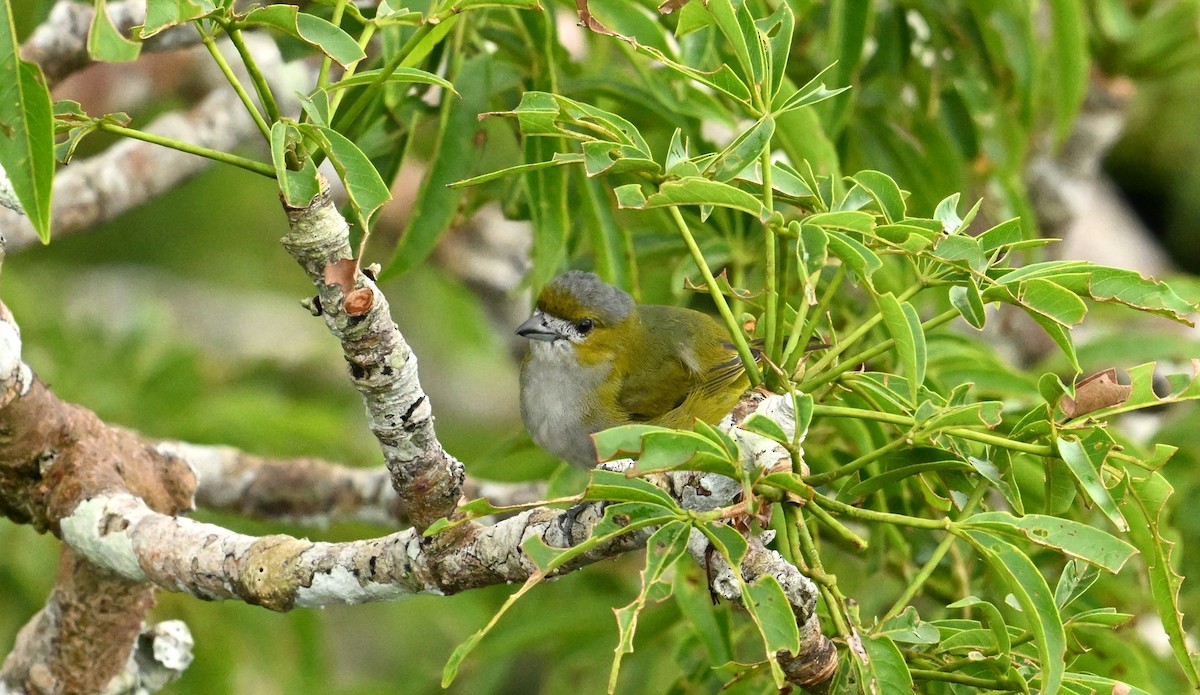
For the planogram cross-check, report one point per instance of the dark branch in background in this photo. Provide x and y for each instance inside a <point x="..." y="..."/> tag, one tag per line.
<point x="59" y="45"/>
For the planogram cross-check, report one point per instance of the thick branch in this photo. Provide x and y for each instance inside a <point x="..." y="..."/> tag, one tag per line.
<point x="382" y="366"/>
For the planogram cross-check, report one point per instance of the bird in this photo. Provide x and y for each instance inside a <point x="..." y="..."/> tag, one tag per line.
<point x="597" y="360"/>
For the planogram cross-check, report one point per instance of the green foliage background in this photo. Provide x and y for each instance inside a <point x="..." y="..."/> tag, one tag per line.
<point x="968" y="122"/>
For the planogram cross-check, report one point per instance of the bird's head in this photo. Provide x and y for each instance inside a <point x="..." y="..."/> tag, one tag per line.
<point x="578" y="312"/>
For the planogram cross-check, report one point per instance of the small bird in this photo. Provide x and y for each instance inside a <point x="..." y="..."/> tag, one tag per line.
<point x="597" y="360"/>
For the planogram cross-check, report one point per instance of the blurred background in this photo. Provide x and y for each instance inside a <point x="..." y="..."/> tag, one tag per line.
<point x="152" y="322"/>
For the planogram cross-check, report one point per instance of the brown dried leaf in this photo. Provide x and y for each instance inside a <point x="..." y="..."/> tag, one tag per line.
<point x="1099" y="390"/>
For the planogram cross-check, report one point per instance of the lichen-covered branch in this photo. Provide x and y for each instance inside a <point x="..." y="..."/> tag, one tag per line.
<point x="311" y="491"/>
<point x="382" y="366"/>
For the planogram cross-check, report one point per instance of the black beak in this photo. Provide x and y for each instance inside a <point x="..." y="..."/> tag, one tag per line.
<point x="535" y="328"/>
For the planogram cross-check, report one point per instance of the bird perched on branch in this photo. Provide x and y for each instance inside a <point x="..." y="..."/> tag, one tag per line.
<point x="597" y="360"/>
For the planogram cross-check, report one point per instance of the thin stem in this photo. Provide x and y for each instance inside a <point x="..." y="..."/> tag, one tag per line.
<point x="828" y="583"/>
<point x="216" y="155"/>
<point x="837" y="527"/>
<point x="803" y="330"/>
<point x="861" y="331"/>
<point x="338" y="95"/>
<point x="256" y="75"/>
<point x="855" y="465"/>
<point x="326" y="62"/>
<point x="852" y="362"/>
<point x="735" y="331"/>
<point x="961" y="432"/>
<point x="360" y="104"/>
<point x="227" y="71"/>
<point x="872" y="515"/>
<point x="935" y="559"/>
<point x="961" y="679"/>
<point x="771" y="262"/>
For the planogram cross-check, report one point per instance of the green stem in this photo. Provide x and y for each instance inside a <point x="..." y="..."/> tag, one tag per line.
<point x="961" y="679"/>
<point x="771" y="262"/>
<point x="256" y="75"/>
<point x="935" y="559"/>
<point x="385" y="73"/>
<point x="215" y="155"/>
<point x="828" y="583"/>
<point x="884" y="517"/>
<point x="852" y="362"/>
<point x="735" y="331"/>
<point x="803" y="329"/>
<point x="837" y="527"/>
<point x="363" y="40"/>
<point x="227" y="71"/>
<point x="855" y="465"/>
<point x="961" y="432"/>
<point x="326" y="62"/>
<point x="844" y="344"/>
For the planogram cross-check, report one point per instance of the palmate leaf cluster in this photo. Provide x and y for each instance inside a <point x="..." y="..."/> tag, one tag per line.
<point x="802" y="166"/>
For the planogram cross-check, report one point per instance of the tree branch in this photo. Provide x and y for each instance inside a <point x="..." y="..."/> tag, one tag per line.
<point x="59" y="45"/>
<point x="311" y="491"/>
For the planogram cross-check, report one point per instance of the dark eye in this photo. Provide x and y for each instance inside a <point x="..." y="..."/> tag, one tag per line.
<point x="584" y="327"/>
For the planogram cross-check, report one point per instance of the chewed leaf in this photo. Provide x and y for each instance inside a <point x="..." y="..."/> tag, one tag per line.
<point x="1085" y="457"/>
<point x="1081" y="541"/>
<point x="1143" y="506"/>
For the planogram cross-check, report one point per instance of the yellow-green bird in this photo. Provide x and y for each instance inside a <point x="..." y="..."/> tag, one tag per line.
<point x="597" y="360"/>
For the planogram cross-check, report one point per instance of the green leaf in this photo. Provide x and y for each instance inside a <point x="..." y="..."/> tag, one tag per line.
<point x="765" y="426"/>
<point x="311" y="29"/>
<point x="611" y="243"/>
<point x="992" y="618"/>
<point x="743" y="151"/>
<point x="909" y="628"/>
<point x="886" y="668"/>
<point x="860" y="259"/>
<point x="298" y="188"/>
<point x="453" y="155"/>
<point x="559" y="159"/>
<point x="1076" y="578"/>
<point x="961" y="248"/>
<point x="163" y="14"/>
<point x="665" y="450"/>
<point x="1036" y="601"/>
<point x="967" y="301"/>
<point x="601" y="156"/>
<point x="746" y="47"/>
<point x="769" y="607"/>
<point x="1001" y="236"/>
<point x="1143" y="506"/>
<point x="723" y="79"/>
<point x="665" y="547"/>
<point x="884" y="191"/>
<point x="727" y="541"/>
<point x="615" y="487"/>
<point x="693" y="190"/>
<point x="365" y="189"/>
<point x="846" y="220"/>
<point x="777" y="31"/>
<point x="543" y="113"/>
<point x="1068" y="62"/>
<point x="105" y="43"/>
<point x="26" y="129"/>
<point x="401" y="75"/>
<point x="622" y="441"/>
<point x="1071" y="537"/>
<point x="1085" y="459"/>
<point x="904" y="326"/>
<point x="549" y="210"/>
<point x="1131" y="289"/>
<point x="812" y="92"/>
